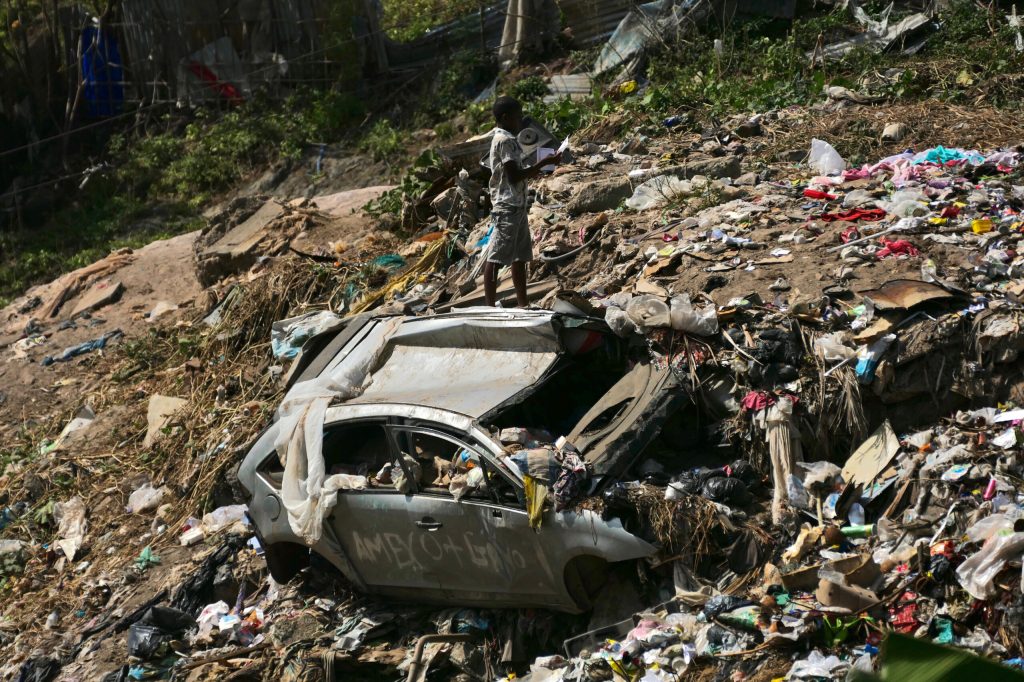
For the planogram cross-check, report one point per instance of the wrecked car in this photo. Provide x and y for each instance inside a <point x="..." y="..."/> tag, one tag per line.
<point x="428" y="394"/>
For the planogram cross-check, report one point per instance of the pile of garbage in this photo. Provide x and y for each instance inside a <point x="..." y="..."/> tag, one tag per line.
<point x="849" y="337"/>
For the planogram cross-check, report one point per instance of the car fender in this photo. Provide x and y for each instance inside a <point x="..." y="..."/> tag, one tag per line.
<point x="591" y="535"/>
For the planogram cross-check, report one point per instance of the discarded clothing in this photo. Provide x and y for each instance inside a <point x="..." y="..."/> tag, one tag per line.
<point x="571" y="480"/>
<point x="865" y="214"/>
<point x="536" y="493"/>
<point x="83" y="348"/>
<point x="756" y="401"/>
<point x="897" y="247"/>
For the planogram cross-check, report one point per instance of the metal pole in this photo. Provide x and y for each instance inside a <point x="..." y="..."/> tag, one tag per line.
<point x="417" y="656"/>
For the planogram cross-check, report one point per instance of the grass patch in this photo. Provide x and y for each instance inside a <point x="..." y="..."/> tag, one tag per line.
<point x="79" y="236"/>
<point x="406" y="20"/>
<point x="163" y="175"/>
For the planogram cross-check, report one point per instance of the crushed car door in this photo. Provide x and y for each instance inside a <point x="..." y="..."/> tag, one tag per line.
<point x="373" y="524"/>
<point x="613" y="433"/>
<point x="481" y="544"/>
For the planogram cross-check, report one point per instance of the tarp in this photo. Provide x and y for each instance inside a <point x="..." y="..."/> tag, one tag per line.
<point x="102" y="73"/>
<point x="530" y="25"/>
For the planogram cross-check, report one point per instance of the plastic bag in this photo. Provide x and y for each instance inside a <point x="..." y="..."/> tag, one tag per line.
<point x="906" y="203"/>
<point x="990" y="526"/>
<point x="858" y="198"/>
<point x="825" y="159"/>
<point x="685" y="317"/>
<point x="723" y="603"/>
<point x="819" y="473"/>
<point x="818" y="666"/>
<point x="868" y="357"/>
<point x="797" y="493"/>
<point x="831" y="349"/>
<point x="977" y="574"/>
<point x="658" y="192"/>
<point x="222" y="517"/>
<point x="648" y="311"/>
<point x="726" y="490"/>
<point x="618" y="321"/>
<point x="145" y="640"/>
<point x="144" y="499"/>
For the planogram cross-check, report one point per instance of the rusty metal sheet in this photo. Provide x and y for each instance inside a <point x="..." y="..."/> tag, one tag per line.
<point x="904" y="294"/>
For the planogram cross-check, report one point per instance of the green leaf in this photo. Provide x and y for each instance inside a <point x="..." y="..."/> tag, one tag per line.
<point x="905" y="658"/>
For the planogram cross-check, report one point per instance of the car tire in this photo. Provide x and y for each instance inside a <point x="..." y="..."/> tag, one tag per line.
<point x="584" y="578"/>
<point x="285" y="560"/>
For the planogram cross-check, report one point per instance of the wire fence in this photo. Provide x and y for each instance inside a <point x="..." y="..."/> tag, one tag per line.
<point x="129" y="66"/>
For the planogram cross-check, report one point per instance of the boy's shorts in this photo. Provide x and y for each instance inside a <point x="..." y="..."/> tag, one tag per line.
<point x="510" y="241"/>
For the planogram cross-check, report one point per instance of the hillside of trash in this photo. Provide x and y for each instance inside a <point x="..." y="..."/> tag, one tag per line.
<point x="827" y="487"/>
<point x="843" y="472"/>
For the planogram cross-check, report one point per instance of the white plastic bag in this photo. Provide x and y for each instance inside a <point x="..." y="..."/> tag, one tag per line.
<point x="825" y="159"/>
<point x="990" y="526"/>
<point x="658" y="192"/>
<point x="977" y="574"/>
<point x="222" y="517"/>
<point x="685" y="317"/>
<point x="819" y="473"/>
<point x="619" y="322"/>
<point x="144" y="499"/>
<point x="906" y="203"/>
<point x="648" y="311"/>
<point x="831" y="349"/>
<point x="858" y="198"/>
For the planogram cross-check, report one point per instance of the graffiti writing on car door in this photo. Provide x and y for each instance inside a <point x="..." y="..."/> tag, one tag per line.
<point x="420" y="550"/>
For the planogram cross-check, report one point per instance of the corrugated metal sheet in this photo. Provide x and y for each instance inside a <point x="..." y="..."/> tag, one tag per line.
<point x="159" y="34"/>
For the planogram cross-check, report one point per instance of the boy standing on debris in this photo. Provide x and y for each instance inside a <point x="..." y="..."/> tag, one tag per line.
<point x="511" y="243"/>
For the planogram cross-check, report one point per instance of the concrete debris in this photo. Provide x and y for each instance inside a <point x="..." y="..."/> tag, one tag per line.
<point x="161" y="410"/>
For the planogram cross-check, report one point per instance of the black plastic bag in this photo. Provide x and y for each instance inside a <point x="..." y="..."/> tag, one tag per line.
<point x="730" y="491"/>
<point x="170" y="620"/>
<point x="746" y="472"/>
<point x="688" y="482"/>
<point x="38" y="669"/>
<point x="723" y="603"/>
<point x="144" y="641"/>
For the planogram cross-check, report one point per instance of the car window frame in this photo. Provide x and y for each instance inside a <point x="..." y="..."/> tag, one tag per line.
<point x="463" y="440"/>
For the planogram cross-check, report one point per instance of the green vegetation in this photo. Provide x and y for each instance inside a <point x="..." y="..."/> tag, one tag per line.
<point x="81" y="235"/>
<point x="170" y="167"/>
<point x="215" y="151"/>
<point x="162" y="175"/>
<point x="383" y="142"/>
<point x="406" y="20"/>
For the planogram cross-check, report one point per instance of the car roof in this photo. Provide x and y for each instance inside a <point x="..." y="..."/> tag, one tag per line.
<point x="467" y="362"/>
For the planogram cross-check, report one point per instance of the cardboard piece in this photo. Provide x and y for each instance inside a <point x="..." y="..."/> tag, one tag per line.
<point x="872" y="457"/>
<point x="844" y="596"/>
<point x="903" y="294"/>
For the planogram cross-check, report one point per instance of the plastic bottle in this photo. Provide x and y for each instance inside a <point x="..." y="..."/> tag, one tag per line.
<point x="857" y="531"/>
<point x="929" y="273"/>
<point x="856" y="514"/>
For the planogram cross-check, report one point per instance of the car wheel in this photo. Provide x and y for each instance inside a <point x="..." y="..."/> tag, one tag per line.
<point x="285" y="560"/>
<point x="584" y="578"/>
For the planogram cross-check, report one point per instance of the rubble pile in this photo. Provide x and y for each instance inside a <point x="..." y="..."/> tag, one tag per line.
<point x="846" y="470"/>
